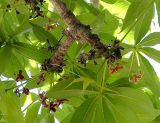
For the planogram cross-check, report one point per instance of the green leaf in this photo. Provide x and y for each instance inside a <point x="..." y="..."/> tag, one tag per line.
<point x="86" y="73"/>
<point x="125" y="106"/>
<point x="85" y="112"/>
<point x="110" y="1"/>
<point x="136" y="10"/>
<point x="152" y="53"/>
<point x="150" y="77"/>
<point x="136" y="101"/>
<point x="22" y="8"/>
<point x="9" y="108"/>
<point x="105" y="22"/>
<point x="158" y="9"/>
<point x="89" y="7"/>
<point x="2" y="35"/>
<point x="43" y="35"/>
<point x="30" y="51"/>
<point x="49" y="118"/>
<point x="69" y="93"/>
<point x="32" y="112"/>
<point x="24" y="27"/>
<point x="151" y="39"/>
<point x="11" y="64"/>
<point x="64" y="112"/>
<point x="143" y="25"/>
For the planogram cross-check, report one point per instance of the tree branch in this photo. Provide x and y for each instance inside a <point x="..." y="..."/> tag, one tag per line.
<point x="78" y="30"/>
<point x="62" y="50"/>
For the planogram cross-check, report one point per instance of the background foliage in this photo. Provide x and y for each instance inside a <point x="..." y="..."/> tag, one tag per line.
<point x="127" y="91"/>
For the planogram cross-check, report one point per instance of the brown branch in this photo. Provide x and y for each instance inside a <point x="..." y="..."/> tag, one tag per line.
<point x="78" y="30"/>
<point x="62" y="50"/>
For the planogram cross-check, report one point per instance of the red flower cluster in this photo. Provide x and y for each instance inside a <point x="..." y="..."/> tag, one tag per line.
<point x="115" y="69"/>
<point x="136" y="77"/>
<point x="19" y="77"/>
<point x="52" y="105"/>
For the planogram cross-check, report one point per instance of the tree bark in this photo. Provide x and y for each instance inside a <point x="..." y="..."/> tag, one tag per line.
<point x="78" y="30"/>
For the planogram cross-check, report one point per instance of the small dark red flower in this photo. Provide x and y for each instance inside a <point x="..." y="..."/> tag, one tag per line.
<point x="53" y="106"/>
<point x="43" y="99"/>
<point x="26" y="91"/>
<point x="19" y="76"/>
<point x="41" y="78"/>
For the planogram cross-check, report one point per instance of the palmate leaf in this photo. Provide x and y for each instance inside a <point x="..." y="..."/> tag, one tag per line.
<point x="116" y="108"/>
<point x="89" y="7"/>
<point x="24" y="27"/>
<point x="9" y="108"/>
<point x="150" y="40"/>
<point x="136" y="10"/>
<point x="63" y="94"/>
<point x="49" y="118"/>
<point x="65" y="112"/>
<point x="105" y="22"/>
<point x="152" y="53"/>
<point x="43" y="35"/>
<point x="150" y="77"/>
<point x="143" y="25"/>
<point x="87" y="73"/>
<point x="32" y="112"/>
<point x="30" y="51"/>
<point x="10" y="65"/>
<point x="137" y="101"/>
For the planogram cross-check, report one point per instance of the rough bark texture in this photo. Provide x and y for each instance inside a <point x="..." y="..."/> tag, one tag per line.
<point x="78" y="30"/>
<point x="62" y="50"/>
